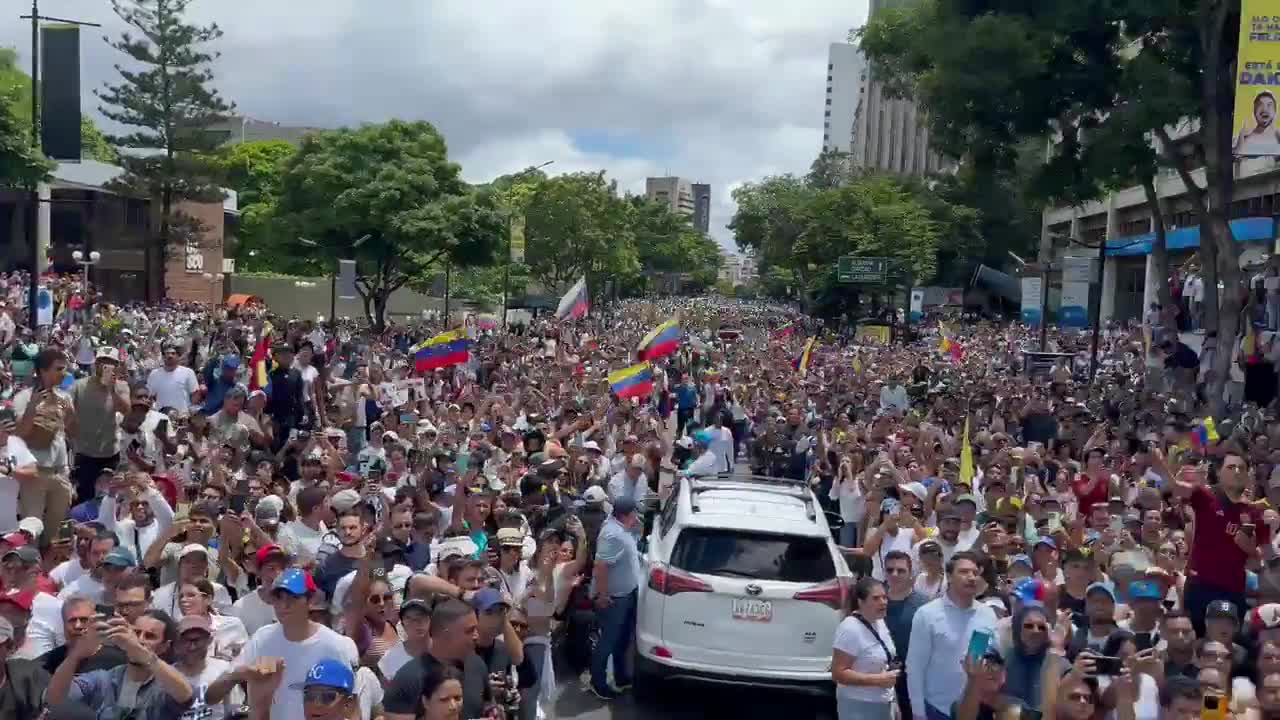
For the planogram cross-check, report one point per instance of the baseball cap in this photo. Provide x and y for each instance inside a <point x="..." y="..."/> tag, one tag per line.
<point x="294" y="582"/>
<point x="345" y="500"/>
<point x="1100" y="587"/>
<point x="106" y="352"/>
<point x="194" y="622"/>
<point x="16" y="539"/>
<point x="1146" y="590"/>
<point x="191" y="549"/>
<point x="1047" y="541"/>
<point x="486" y="599"/>
<point x="1221" y="609"/>
<point x="332" y="674"/>
<point x="267" y="552"/>
<point x="1023" y="559"/>
<point x="1030" y="592"/>
<point x="591" y="445"/>
<point x="31" y="526"/>
<point x="121" y="557"/>
<point x="231" y="361"/>
<point x="594" y="495"/>
<point x="917" y="489"/>
<point x="510" y="537"/>
<point x="1265" y="617"/>
<point x="965" y="498"/>
<point x="889" y="505"/>
<point x="417" y="605"/>
<point x="624" y="505"/>
<point x="27" y="554"/>
<point x="269" y="509"/>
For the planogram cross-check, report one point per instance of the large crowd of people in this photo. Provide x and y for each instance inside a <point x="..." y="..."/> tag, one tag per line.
<point x="211" y="513"/>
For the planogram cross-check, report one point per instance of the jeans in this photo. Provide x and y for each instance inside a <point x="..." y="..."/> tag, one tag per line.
<point x="849" y="534"/>
<point x="683" y="416"/>
<point x="1197" y="596"/>
<point x="617" y="625"/>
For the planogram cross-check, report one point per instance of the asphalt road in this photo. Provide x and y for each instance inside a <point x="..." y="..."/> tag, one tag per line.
<point x="692" y="701"/>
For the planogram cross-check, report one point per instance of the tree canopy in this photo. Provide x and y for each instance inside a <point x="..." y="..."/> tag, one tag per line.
<point x="395" y="184"/>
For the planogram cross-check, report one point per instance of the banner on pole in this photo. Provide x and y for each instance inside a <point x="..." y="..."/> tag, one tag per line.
<point x="1257" y="80"/>
<point x="347" y="279"/>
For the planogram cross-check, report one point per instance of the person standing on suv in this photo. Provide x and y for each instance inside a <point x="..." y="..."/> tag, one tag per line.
<point x="615" y="579"/>
<point x="940" y="635"/>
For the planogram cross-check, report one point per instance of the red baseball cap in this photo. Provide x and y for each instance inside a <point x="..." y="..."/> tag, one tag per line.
<point x="16" y="539"/>
<point x="266" y="552"/>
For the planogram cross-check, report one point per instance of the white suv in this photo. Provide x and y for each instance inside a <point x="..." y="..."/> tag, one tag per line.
<point x="744" y="585"/>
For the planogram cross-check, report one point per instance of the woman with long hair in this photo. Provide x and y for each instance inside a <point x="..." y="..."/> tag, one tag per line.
<point x="864" y="662"/>
<point x="229" y="634"/>
<point x="1027" y="661"/>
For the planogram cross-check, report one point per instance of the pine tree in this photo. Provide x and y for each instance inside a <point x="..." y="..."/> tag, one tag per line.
<point x="170" y="104"/>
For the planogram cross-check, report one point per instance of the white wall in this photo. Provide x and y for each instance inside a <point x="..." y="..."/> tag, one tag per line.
<point x="846" y="65"/>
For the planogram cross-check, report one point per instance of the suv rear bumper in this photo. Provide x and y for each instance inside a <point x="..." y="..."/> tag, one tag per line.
<point x="807" y="683"/>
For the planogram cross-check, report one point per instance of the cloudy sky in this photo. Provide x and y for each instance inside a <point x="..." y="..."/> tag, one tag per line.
<point x="719" y="91"/>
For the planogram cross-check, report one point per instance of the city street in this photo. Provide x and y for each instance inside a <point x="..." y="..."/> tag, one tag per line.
<point x="684" y="700"/>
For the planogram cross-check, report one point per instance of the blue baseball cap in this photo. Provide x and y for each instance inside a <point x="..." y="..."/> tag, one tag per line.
<point x="1020" y="559"/>
<point x="1145" y="590"/>
<point x="231" y="361"/>
<point x="1100" y="587"/>
<point x="294" y="582"/>
<point x="1047" y="540"/>
<point x="1030" y="592"/>
<point x="486" y="599"/>
<point x="331" y="674"/>
<point x="119" y="557"/>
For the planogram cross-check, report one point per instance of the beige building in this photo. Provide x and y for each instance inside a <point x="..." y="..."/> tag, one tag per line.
<point x="890" y="134"/>
<point x="676" y="192"/>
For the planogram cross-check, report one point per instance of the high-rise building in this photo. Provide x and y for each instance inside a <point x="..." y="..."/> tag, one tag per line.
<point x="702" y="207"/>
<point x="890" y="134"/>
<point x="238" y="129"/>
<point x="846" y="68"/>
<point x="675" y="192"/>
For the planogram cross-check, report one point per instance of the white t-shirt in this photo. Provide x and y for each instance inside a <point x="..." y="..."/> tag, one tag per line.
<point x="854" y="639"/>
<point x="394" y="659"/>
<point x="173" y="388"/>
<point x="301" y="541"/>
<point x="67" y="571"/>
<point x="254" y="612"/>
<point x="722" y="445"/>
<point x="324" y="644"/>
<point x="199" y="710"/>
<point x="84" y="585"/>
<point x="18" y="455"/>
<point x="54" y="456"/>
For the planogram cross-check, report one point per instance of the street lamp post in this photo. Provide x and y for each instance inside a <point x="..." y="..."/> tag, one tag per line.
<point x="86" y="261"/>
<point x="506" y="265"/>
<point x="333" y="278"/>
<point x="212" y="278"/>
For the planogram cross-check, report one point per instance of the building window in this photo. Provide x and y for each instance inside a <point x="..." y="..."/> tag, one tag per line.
<point x="831" y="66"/>
<point x="828" y="101"/>
<point x="827" y="114"/>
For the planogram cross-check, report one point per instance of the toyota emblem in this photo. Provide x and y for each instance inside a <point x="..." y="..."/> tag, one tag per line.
<point x="754" y="589"/>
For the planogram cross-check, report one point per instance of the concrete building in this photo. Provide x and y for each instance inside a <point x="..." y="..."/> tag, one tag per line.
<point x="846" y="70"/>
<point x="890" y="134"/>
<point x="676" y="192"/>
<point x="702" y="207"/>
<point x="238" y="129"/>
<point x="1123" y="219"/>
<point x="737" y="269"/>
<point x="82" y="213"/>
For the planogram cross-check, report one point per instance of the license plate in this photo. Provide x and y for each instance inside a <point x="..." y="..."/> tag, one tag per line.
<point x="752" y="610"/>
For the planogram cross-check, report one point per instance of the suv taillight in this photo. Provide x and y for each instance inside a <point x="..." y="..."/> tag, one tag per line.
<point x="831" y="593"/>
<point x="670" y="581"/>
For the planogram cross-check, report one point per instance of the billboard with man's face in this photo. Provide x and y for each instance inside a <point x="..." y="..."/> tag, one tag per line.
<point x="1258" y="80"/>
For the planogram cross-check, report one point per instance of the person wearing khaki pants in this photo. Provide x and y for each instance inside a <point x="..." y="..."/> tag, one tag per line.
<point x="45" y="413"/>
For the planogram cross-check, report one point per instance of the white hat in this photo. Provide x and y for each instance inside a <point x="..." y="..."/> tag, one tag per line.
<point x="107" y="352"/>
<point x="192" y="548"/>
<point x="425" y="426"/>
<point x="591" y="445"/>
<point x="594" y="495"/>
<point x="344" y="500"/>
<point x="461" y="546"/>
<point x="916" y="489"/>
<point x="31" y="526"/>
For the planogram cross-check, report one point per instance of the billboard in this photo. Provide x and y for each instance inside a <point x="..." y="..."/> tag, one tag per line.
<point x="1032" y="295"/>
<point x="1077" y="278"/>
<point x="1257" y="80"/>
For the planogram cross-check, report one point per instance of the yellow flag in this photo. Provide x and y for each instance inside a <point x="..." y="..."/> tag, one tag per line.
<point x="966" y="457"/>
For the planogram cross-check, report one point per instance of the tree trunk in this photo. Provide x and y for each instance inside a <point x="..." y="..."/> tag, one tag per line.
<point x="149" y="254"/>
<point x="1221" y="261"/>
<point x="1159" y="247"/>
<point x="380" y="296"/>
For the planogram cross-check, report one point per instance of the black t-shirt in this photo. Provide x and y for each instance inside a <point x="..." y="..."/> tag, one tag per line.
<point x="106" y="658"/>
<point x="404" y="694"/>
<point x="498" y="659"/>
<point x="334" y="567"/>
<point x="1066" y="601"/>
<point x="23" y="693"/>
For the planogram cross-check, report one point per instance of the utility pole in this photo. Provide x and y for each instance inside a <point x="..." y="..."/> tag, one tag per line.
<point x="33" y="196"/>
<point x="506" y="264"/>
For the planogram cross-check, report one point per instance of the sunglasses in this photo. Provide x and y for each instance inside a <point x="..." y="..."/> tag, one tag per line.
<point x="1039" y="627"/>
<point x="380" y="599"/>
<point x="320" y="696"/>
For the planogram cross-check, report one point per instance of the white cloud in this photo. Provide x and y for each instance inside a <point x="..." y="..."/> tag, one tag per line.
<point x="719" y="91"/>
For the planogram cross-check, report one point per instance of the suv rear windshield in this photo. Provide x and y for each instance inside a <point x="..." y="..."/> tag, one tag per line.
<point x="758" y="556"/>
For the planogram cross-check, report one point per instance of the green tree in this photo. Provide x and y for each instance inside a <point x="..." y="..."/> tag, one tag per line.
<point x="1101" y="76"/>
<point x="169" y="105"/>
<point x="21" y="162"/>
<point x="666" y="242"/>
<point x="15" y="95"/>
<point x="253" y="170"/>
<point x="577" y="225"/>
<point x="395" y="184"/>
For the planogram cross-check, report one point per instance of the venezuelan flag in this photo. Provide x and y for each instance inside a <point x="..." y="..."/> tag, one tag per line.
<point x="260" y="363"/>
<point x="801" y="363"/>
<point x="444" y="350"/>
<point x="1205" y="432"/>
<point x="635" y="381"/>
<point x="784" y="331"/>
<point x="661" y="341"/>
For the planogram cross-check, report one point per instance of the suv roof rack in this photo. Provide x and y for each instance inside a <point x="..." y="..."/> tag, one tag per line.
<point x="789" y="487"/>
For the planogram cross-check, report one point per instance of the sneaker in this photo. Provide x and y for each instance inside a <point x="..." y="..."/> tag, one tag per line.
<point x="605" y="695"/>
<point x="622" y="687"/>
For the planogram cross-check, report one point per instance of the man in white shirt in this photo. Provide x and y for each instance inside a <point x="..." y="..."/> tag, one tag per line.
<point x="174" y="384"/>
<point x="100" y="582"/>
<point x="149" y="514"/>
<point x="721" y="442"/>
<point x="705" y="461"/>
<point x="301" y="538"/>
<point x="17" y="466"/>
<point x="893" y="396"/>
<point x="630" y="482"/>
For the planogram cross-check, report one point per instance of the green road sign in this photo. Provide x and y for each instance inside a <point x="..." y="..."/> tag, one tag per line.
<point x="852" y="269"/>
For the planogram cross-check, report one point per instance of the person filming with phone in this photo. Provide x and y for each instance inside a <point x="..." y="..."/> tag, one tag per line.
<point x="97" y="399"/>
<point x="46" y="417"/>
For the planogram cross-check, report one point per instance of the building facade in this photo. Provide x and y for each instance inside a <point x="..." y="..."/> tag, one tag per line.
<point x="1123" y="219"/>
<point x="890" y="134"/>
<point x="846" y="71"/>
<point x="675" y="192"/>
<point x="702" y="207"/>
<point x="737" y="269"/>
